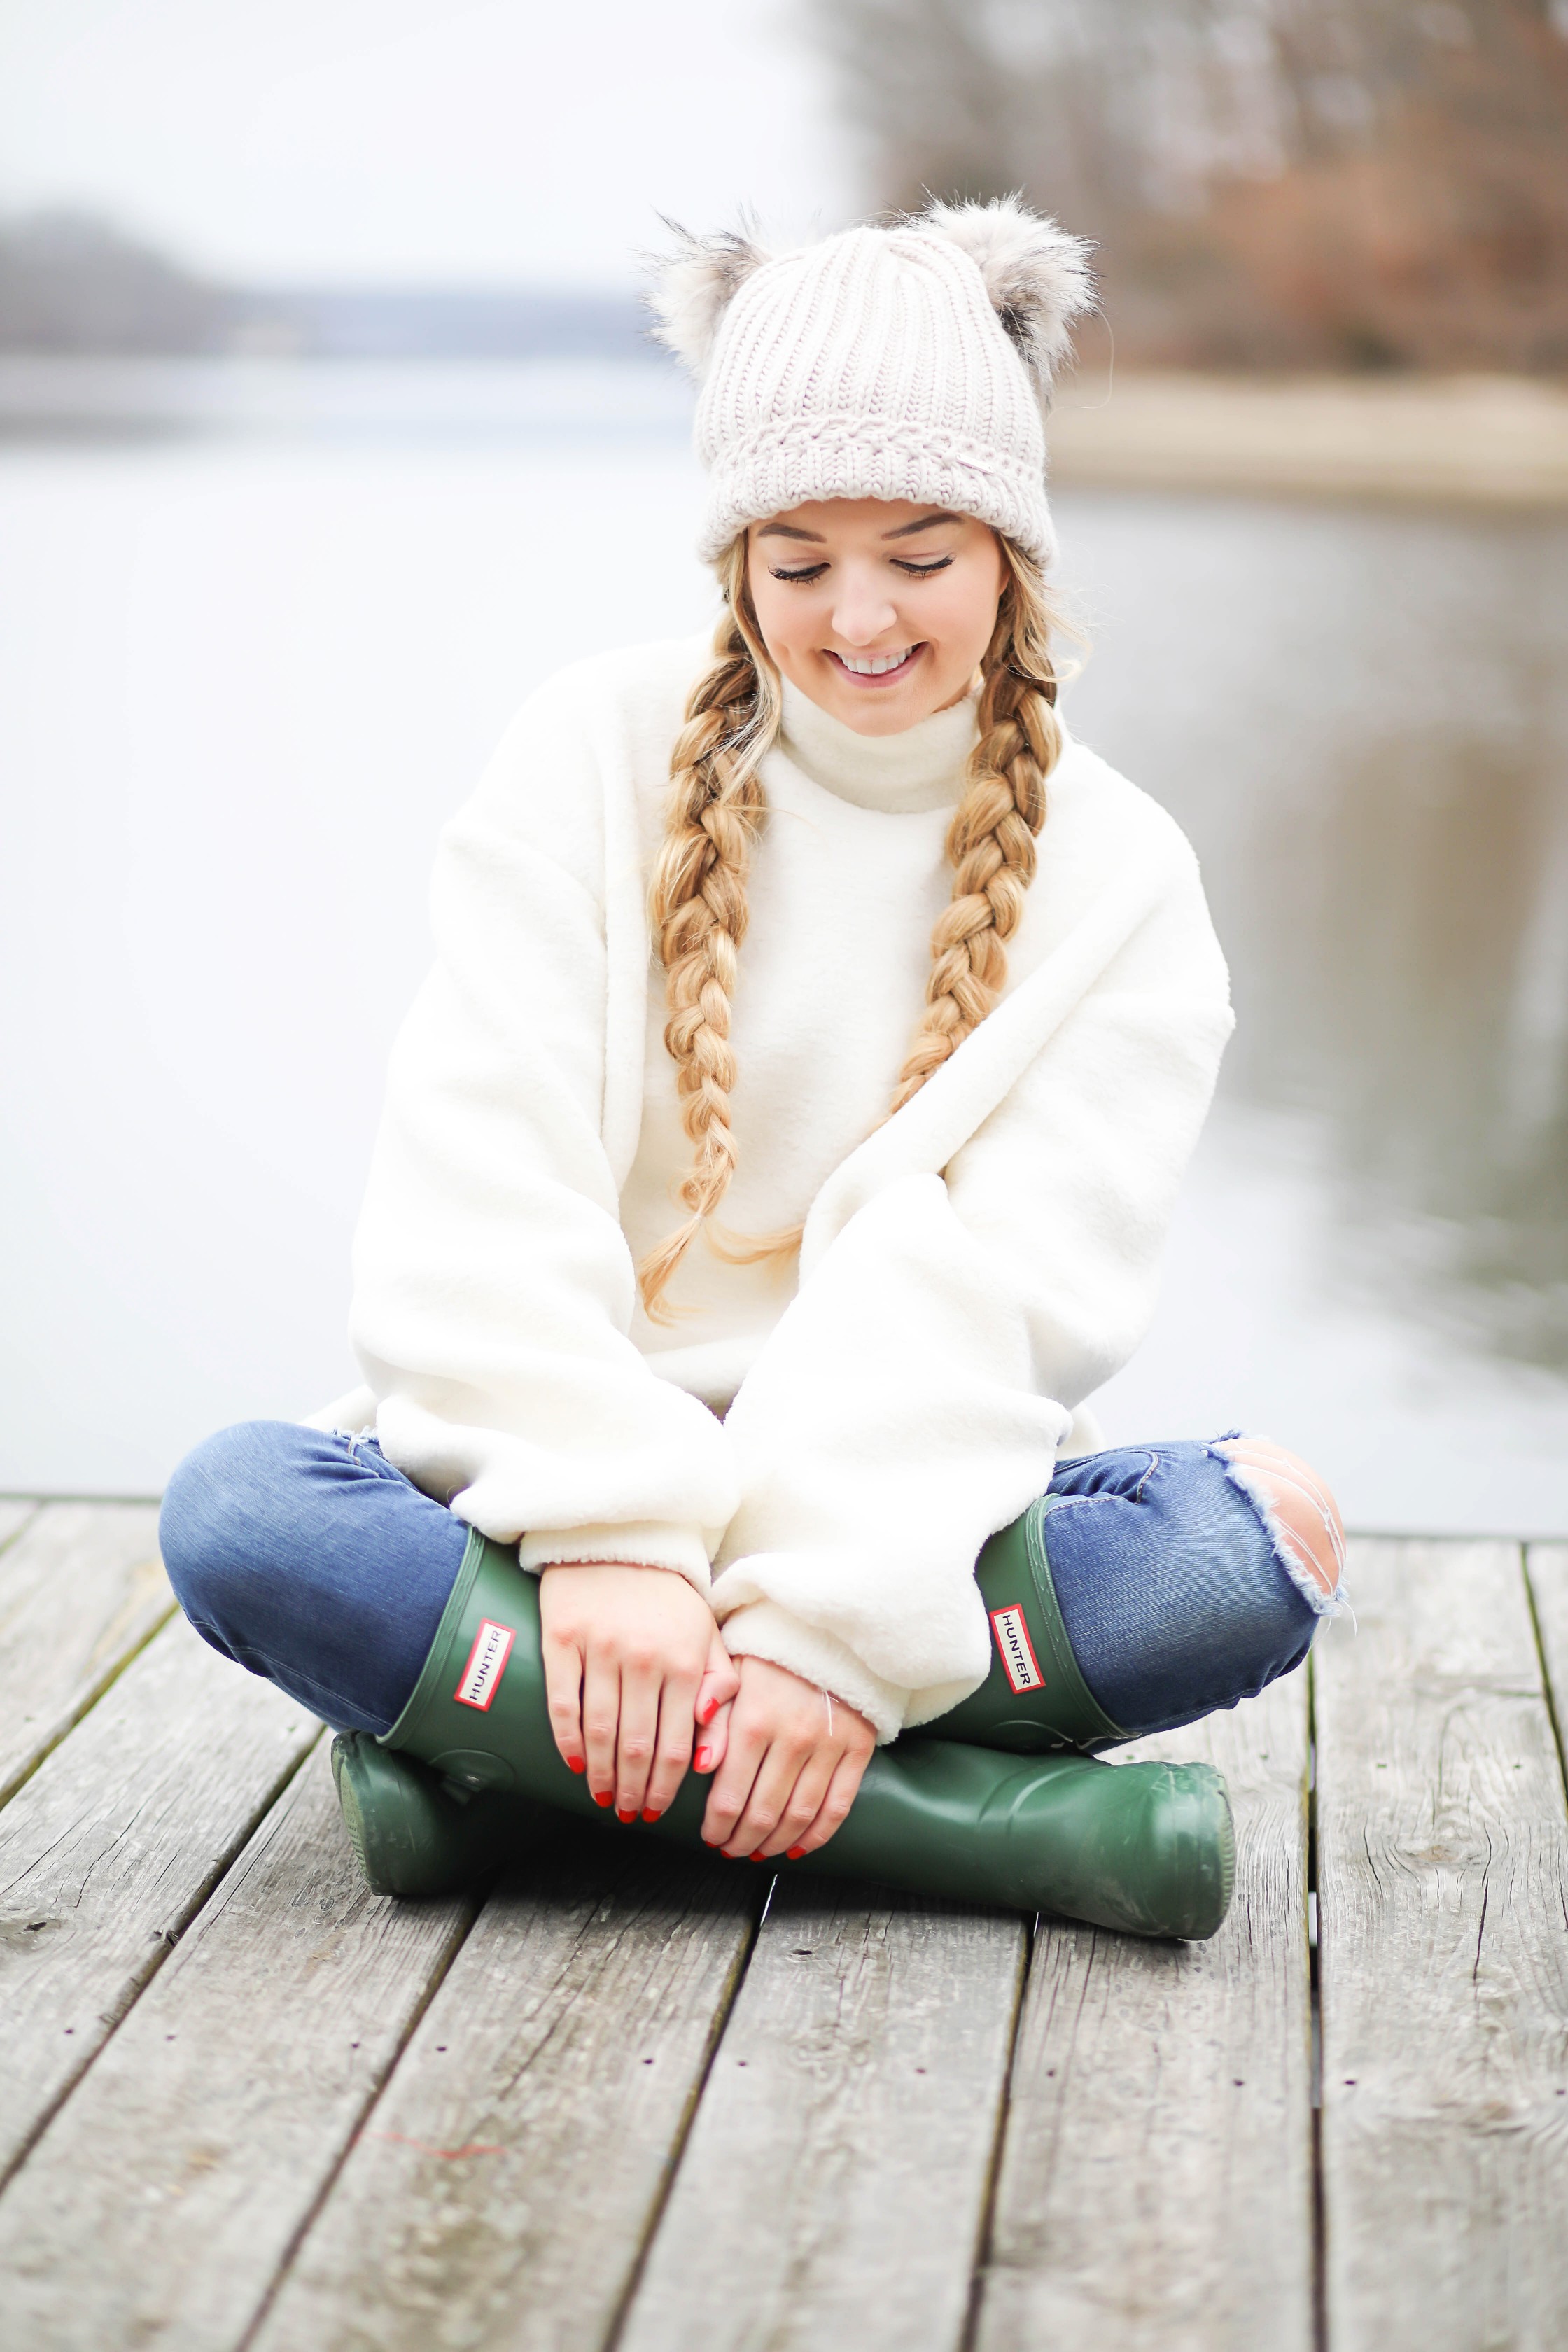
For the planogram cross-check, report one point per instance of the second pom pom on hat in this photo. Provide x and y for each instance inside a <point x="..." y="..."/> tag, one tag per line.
<point x="913" y="361"/>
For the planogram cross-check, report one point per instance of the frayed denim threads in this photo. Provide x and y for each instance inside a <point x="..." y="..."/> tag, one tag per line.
<point x="1173" y="1593"/>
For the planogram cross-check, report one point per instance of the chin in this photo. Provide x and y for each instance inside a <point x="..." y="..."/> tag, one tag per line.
<point x="888" y="712"/>
<point x="889" y="717"/>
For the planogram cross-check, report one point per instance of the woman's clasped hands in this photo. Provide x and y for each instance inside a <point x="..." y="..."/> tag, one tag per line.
<point x="641" y="1690"/>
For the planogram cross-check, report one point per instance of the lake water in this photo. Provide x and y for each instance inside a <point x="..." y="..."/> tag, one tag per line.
<point x="244" y="677"/>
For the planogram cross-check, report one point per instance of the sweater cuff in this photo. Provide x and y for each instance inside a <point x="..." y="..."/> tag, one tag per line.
<point x="761" y="1629"/>
<point x="643" y="1543"/>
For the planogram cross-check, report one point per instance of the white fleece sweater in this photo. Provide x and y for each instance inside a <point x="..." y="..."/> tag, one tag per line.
<point x="972" y="1269"/>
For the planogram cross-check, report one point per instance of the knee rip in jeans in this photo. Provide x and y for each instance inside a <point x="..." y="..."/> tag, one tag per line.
<point x="1300" y="1515"/>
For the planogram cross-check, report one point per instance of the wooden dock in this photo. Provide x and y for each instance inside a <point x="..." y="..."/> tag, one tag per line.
<point x="634" y="2102"/>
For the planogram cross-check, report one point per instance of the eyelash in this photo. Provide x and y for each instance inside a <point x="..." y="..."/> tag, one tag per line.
<point x="910" y="571"/>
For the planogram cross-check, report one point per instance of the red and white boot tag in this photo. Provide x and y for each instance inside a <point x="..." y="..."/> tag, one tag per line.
<point x="481" y="1676"/>
<point x="1012" y="1642"/>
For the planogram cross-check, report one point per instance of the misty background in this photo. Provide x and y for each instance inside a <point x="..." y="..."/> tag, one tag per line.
<point x="328" y="428"/>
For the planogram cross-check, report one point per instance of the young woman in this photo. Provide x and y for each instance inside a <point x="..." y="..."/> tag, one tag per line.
<point x="778" y="1155"/>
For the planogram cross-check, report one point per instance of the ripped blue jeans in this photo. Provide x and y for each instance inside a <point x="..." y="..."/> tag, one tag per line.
<point x="308" y="1559"/>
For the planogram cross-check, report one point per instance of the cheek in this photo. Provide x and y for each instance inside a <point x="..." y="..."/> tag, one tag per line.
<point x="771" y="604"/>
<point x="965" y="614"/>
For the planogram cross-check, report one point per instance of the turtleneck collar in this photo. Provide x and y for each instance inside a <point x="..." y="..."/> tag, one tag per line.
<point x="921" y="768"/>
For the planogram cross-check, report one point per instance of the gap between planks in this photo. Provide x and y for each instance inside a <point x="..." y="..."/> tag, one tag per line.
<point x="1156" y="2190"/>
<point x="1546" y="1577"/>
<point x="501" y="2190"/>
<point x="82" y="1590"/>
<point x="833" y="2186"/>
<point x="113" y="1845"/>
<point x="168" y="2192"/>
<point x="14" y="1513"/>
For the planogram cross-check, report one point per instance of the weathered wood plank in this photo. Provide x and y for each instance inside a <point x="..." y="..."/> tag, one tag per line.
<point x="833" y="2186"/>
<point x="1155" y="2189"/>
<point x="160" y="2204"/>
<point x="15" y="1512"/>
<point x="81" y="1589"/>
<point x="109" y="1848"/>
<point x="500" y="2192"/>
<point x="1443" y="1895"/>
<point x="1546" y="1568"/>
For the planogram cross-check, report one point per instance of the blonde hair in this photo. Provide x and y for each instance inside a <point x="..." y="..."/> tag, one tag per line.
<point x="715" y="813"/>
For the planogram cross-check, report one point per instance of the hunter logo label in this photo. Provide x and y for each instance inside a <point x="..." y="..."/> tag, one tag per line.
<point x="481" y="1675"/>
<point x="1012" y="1642"/>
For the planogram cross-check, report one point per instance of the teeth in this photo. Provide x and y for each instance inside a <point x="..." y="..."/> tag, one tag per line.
<point x="873" y="664"/>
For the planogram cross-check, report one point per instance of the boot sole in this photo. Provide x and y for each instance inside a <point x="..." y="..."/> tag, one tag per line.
<point x="1202" y="1837"/>
<point x="408" y="1836"/>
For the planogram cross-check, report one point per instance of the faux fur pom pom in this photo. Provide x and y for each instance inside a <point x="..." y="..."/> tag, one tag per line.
<point x="690" y="289"/>
<point x="1037" y="275"/>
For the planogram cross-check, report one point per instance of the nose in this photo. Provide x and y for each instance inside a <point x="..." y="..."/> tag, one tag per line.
<point x="862" y="611"/>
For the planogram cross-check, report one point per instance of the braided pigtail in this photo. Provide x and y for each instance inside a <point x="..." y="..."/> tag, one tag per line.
<point x="699" y="905"/>
<point x="990" y="841"/>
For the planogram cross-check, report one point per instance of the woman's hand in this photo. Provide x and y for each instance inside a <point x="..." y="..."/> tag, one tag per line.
<point x="789" y="1762"/>
<point x="633" y="1660"/>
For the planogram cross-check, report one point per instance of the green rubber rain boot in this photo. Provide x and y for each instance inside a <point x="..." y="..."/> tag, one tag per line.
<point x="1034" y="1700"/>
<point x="414" y="1834"/>
<point x="1147" y="1848"/>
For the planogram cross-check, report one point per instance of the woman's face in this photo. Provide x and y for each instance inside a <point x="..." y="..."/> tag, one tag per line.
<point x="877" y="609"/>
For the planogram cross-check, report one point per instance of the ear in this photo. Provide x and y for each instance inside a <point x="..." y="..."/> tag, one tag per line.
<point x="690" y="289"/>
<point x="1037" y="276"/>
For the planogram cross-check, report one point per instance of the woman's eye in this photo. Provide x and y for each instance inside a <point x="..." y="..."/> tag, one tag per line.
<point x="812" y="572"/>
<point x="924" y="570"/>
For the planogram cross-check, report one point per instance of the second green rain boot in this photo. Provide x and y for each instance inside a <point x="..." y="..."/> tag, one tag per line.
<point x="1145" y="1848"/>
<point x="414" y="1834"/>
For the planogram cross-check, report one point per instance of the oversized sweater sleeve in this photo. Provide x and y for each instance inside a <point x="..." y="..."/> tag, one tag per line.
<point x="913" y="1397"/>
<point x="493" y="1287"/>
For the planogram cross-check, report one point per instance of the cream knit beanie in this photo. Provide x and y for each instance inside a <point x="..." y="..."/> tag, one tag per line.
<point x="906" y="363"/>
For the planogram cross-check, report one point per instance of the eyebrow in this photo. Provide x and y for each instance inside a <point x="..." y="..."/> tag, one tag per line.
<point x="926" y="522"/>
<point x="815" y="538"/>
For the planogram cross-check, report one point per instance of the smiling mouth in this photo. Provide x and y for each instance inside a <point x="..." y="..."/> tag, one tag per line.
<point x="876" y="669"/>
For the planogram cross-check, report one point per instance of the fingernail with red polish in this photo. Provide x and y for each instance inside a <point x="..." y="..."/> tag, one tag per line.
<point x="648" y="1814"/>
<point x="626" y="1817"/>
<point x="706" y="1714"/>
<point x="576" y="1763"/>
<point x="702" y="1758"/>
<point x="794" y="1854"/>
<point x="757" y="1857"/>
<point x="605" y="1800"/>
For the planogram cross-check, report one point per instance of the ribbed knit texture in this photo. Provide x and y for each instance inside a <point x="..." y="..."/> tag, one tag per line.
<point x="871" y="366"/>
